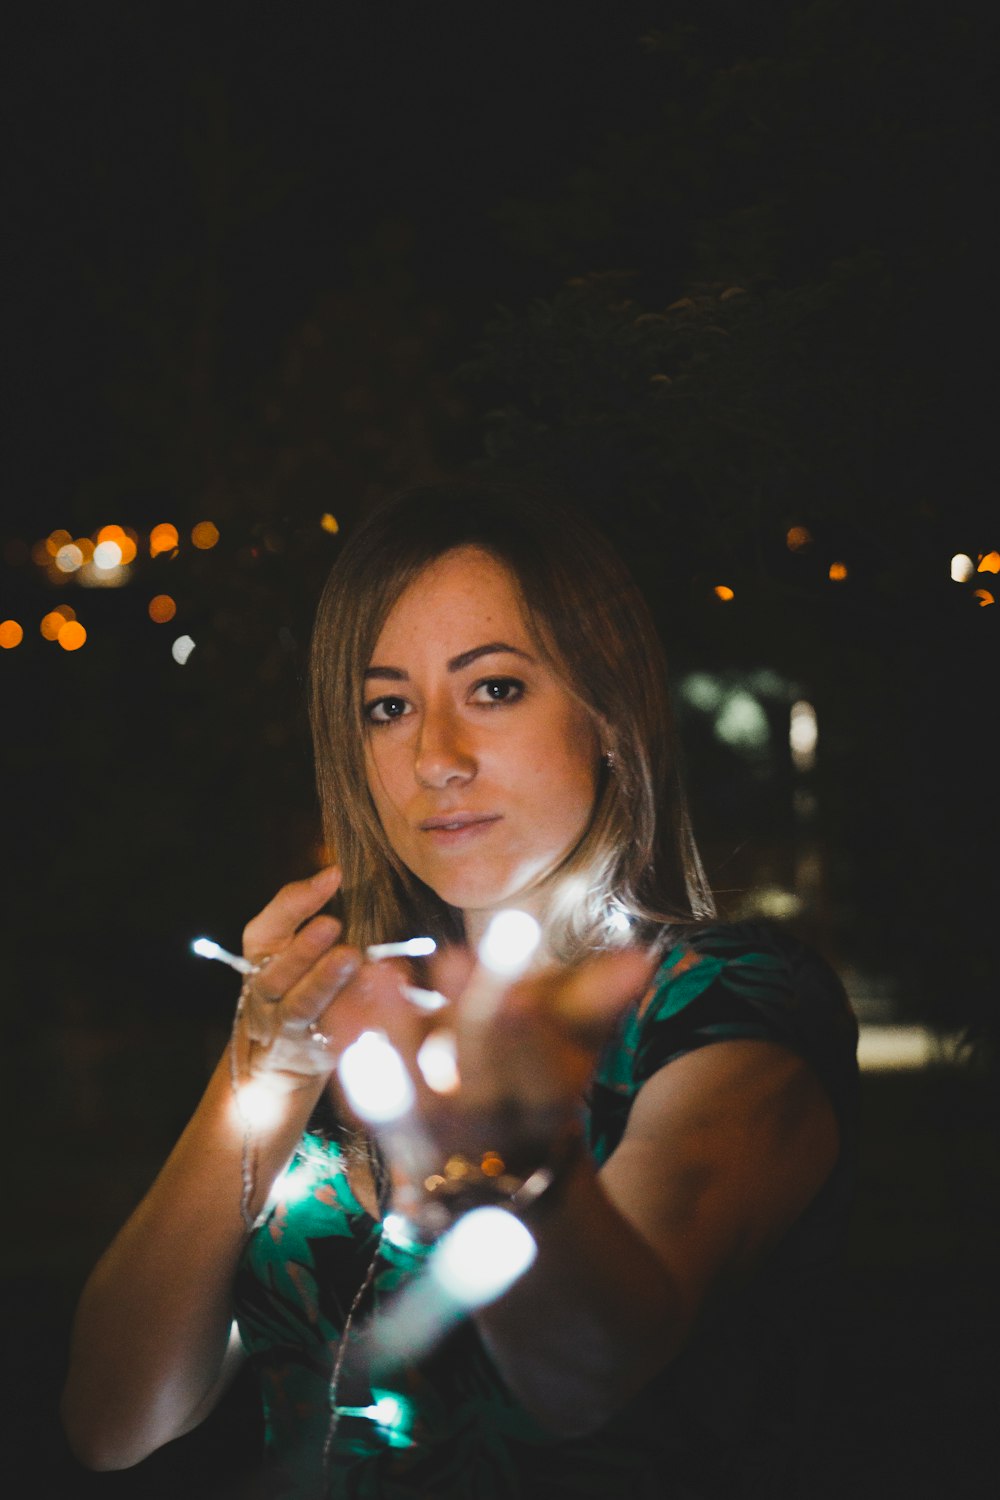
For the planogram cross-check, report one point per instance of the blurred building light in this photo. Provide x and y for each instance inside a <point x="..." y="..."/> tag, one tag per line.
<point x="742" y="722"/>
<point x="205" y="535"/>
<point x="162" y="609"/>
<point x="53" y="622"/>
<point x="163" y="538"/>
<point x="40" y="554"/>
<point x="11" y="635"/>
<point x="962" y="567"/>
<point x="984" y="596"/>
<point x="86" y="547"/>
<point x="897" y="1049"/>
<point x="69" y="558"/>
<point x="797" y="538"/>
<point x="990" y="563"/>
<point x="125" y="540"/>
<point x="181" y="649"/>
<point x="724" y="592"/>
<point x="55" y="540"/>
<point x="107" y="554"/>
<point x="803" y="732"/>
<point x="838" y="571"/>
<point x="702" y="691"/>
<point x="72" y="635"/>
<point x="330" y="523"/>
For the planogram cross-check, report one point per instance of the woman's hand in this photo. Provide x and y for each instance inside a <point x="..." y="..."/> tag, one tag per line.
<point x="303" y="968"/>
<point x="523" y="1065"/>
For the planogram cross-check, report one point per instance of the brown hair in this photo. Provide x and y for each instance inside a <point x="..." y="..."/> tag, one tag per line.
<point x="638" y="857"/>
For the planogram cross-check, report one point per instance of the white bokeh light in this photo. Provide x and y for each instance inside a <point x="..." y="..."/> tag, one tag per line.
<point x="438" y="1061"/>
<point x="482" y="1255"/>
<point x="375" y="1079"/>
<point x="181" y="649"/>
<point x="509" y="943"/>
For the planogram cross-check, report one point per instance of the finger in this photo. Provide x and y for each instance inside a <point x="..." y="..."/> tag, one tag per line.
<point x="313" y="994"/>
<point x="273" y="928"/>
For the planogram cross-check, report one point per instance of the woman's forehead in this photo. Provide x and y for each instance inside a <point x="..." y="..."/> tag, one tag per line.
<point x="466" y="588"/>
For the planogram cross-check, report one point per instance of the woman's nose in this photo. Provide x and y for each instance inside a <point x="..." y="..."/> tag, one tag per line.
<point x="443" y="754"/>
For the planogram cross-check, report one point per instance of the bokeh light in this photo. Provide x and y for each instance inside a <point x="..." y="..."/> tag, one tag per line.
<point x="54" y="621"/>
<point x="962" y="567"/>
<point x="162" y="608"/>
<point x="72" y="635"/>
<point x="984" y="596"/>
<point x="990" y="563"/>
<point x="69" y="558"/>
<point x="11" y="634"/>
<point x="205" y="535"/>
<point x="330" y="523"/>
<point x="55" y="540"/>
<point x="797" y="538"/>
<point x="107" y="555"/>
<point x="724" y="592"/>
<point x="163" y="538"/>
<point x="181" y="649"/>
<point x="838" y="572"/>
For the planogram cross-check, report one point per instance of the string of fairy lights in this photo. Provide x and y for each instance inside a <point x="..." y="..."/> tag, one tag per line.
<point x="115" y="556"/>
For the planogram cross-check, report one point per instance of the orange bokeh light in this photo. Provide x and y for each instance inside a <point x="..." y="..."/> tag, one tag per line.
<point x="51" y="625"/>
<point x="55" y="540"/>
<point x="723" y="591"/>
<point x="797" y="537"/>
<point x="162" y="608"/>
<point x="990" y="563"/>
<point x="163" y="538"/>
<point x="838" y="571"/>
<point x="72" y="636"/>
<point x="984" y="596"/>
<point x="330" y="523"/>
<point x="205" y="535"/>
<point x="11" y="634"/>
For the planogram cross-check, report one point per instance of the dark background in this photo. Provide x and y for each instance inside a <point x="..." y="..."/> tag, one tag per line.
<point x="716" y="271"/>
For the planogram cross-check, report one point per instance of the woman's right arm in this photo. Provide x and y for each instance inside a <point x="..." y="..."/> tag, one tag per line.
<point x="151" y="1351"/>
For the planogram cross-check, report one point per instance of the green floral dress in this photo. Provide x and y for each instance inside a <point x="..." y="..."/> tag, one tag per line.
<point x="728" y="1417"/>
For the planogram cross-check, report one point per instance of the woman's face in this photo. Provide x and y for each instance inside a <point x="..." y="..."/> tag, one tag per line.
<point x="482" y="767"/>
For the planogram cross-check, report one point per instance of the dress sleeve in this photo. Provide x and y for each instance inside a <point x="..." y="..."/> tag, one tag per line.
<point x="748" y="980"/>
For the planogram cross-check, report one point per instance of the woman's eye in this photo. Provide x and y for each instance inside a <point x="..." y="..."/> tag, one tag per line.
<point x="498" y="690"/>
<point x="386" y="710"/>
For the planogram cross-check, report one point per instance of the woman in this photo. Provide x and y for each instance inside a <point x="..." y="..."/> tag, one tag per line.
<point x="492" y="731"/>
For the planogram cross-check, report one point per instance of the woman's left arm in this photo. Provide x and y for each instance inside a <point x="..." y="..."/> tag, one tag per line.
<point x="724" y="1149"/>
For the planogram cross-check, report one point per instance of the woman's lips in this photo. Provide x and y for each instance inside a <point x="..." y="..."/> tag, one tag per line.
<point x="458" y="828"/>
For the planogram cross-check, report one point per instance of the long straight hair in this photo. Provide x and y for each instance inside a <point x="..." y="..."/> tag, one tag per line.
<point x="637" y="861"/>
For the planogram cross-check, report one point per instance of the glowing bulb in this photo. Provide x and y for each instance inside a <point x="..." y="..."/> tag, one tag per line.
<point x="482" y="1255"/>
<point x="438" y="1061"/>
<point x="181" y="649"/>
<point x="803" y="733"/>
<point x="509" y="943"/>
<point x="257" y="1105"/>
<point x="418" y="947"/>
<point x="962" y="567"/>
<point x="375" y="1079"/>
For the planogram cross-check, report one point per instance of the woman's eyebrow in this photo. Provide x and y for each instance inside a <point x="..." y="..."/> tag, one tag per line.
<point x="456" y="664"/>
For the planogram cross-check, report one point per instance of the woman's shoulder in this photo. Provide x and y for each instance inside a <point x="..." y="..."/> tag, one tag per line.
<point x="721" y="981"/>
